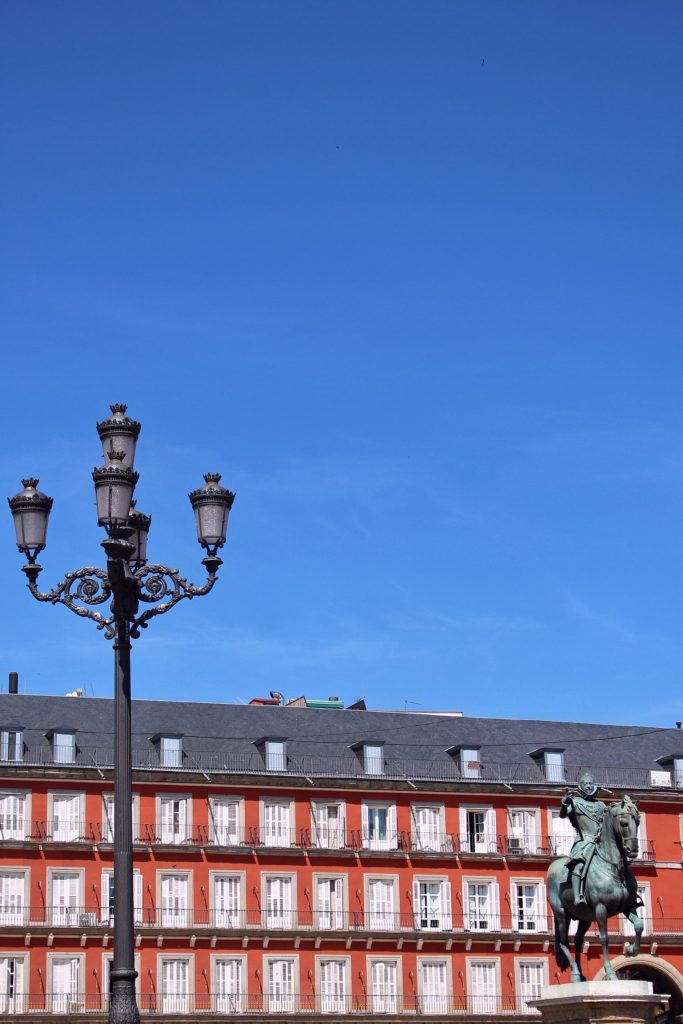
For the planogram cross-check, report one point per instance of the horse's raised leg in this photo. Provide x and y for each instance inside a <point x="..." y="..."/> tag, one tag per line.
<point x="601" y="918"/>
<point x="633" y="948"/>
<point x="581" y="930"/>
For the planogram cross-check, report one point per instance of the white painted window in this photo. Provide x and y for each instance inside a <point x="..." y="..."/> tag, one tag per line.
<point x="12" y="984"/>
<point x="678" y="772"/>
<point x="175" y="826"/>
<point x="644" y="913"/>
<point x="384" y="982"/>
<point x="470" y="765"/>
<point x="329" y="826"/>
<point x="483" y="986"/>
<point x="171" y="751"/>
<point x="13" y="823"/>
<point x="563" y="834"/>
<point x="175" y="901"/>
<point x="228" y="985"/>
<point x="379" y="826"/>
<point x="12" y="745"/>
<point x="65" y="983"/>
<point x="64" y="747"/>
<point x="107" y="898"/>
<point x="381" y="904"/>
<point x="531" y="978"/>
<point x="522" y="834"/>
<point x="12" y="889"/>
<point x="276" y="755"/>
<point x="426" y="820"/>
<point x="108" y="818"/>
<point x="175" y="974"/>
<point x="280" y="991"/>
<point x="329" y="903"/>
<point x="227" y="891"/>
<point x="64" y="908"/>
<point x="553" y="764"/>
<point x="481" y="905"/>
<point x="373" y="758"/>
<point x="478" y="830"/>
<point x="279" y="901"/>
<point x="66" y="814"/>
<point x="276" y="823"/>
<point x="432" y="904"/>
<point x="225" y="821"/>
<point x="332" y="976"/>
<point x="529" y="909"/>
<point x="433" y="982"/>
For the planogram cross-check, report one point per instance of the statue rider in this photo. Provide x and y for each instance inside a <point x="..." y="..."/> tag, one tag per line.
<point x="586" y="813"/>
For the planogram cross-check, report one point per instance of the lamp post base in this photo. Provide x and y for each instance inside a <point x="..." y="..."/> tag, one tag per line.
<point x="123" y="1008"/>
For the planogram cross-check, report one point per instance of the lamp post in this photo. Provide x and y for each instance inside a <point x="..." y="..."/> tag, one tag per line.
<point x="128" y="582"/>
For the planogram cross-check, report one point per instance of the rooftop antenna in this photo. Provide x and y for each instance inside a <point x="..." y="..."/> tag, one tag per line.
<point x="407" y="702"/>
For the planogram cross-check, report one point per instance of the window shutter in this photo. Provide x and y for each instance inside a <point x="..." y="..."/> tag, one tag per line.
<point x="446" y="905"/>
<point x="166" y="807"/>
<point x="365" y="824"/>
<point x="495" y="906"/>
<point x="182" y="821"/>
<point x="137" y="898"/>
<point x="462" y="839"/>
<point x="490" y="828"/>
<point x="542" y="907"/>
<point x="107" y="881"/>
<point x="416" y="904"/>
<point x="392" y="828"/>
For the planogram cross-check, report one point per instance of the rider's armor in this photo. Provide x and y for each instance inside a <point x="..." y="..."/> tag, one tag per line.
<point x="586" y="814"/>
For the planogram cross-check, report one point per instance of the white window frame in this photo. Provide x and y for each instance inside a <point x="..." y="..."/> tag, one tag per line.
<point x="376" y="998"/>
<point x="520" y="961"/>
<point x="540" y="916"/>
<point x="434" y="843"/>
<point x="325" y="837"/>
<point x="444" y="917"/>
<point x="289" y="916"/>
<point x="107" y="964"/>
<point x="470" y="762"/>
<point x="493" y="913"/>
<point x="162" y="796"/>
<point x="230" y="1004"/>
<point x="476" y="1002"/>
<point x="12" y="1004"/>
<point x="106" y="914"/>
<point x="530" y="842"/>
<point x="219" y="799"/>
<point x="554" y="765"/>
<point x="677" y="772"/>
<point x="18" y="834"/>
<point x="6" y="743"/>
<point x="63" y="746"/>
<point x="373" y="759"/>
<point x="370" y="842"/>
<point x="336" y="917"/>
<point x="275" y="755"/>
<point x="17" y="916"/>
<point x="188" y="958"/>
<point x="220" y="917"/>
<point x="489" y="841"/>
<point x="270" y="1002"/>
<point x="169" y="918"/>
<point x="644" y="912"/>
<point x="74" y="1003"/>
<point x="345" y="961"/>
<point x="429" y="1003"/>
<point x="108" y="817"/>
<point x="69" y="918"/>
<point x="284" y="836"/>
<point x="54" y="831"/>
<point x="171" y="750"/>
<point x="562" y="842"/>
<point x="376" y="920"/>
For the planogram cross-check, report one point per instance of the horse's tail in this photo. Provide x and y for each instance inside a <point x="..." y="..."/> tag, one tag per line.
<point x="560" y="955"/>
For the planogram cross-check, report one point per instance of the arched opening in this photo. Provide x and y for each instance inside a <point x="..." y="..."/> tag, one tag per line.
<point x="665" y="980"/>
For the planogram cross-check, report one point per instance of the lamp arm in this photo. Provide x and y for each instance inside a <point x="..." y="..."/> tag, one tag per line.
<point x="87" y="586"/>
<point x="165" y="587"/>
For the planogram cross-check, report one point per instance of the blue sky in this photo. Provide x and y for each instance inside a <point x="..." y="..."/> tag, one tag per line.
<point x="423" y="312"/>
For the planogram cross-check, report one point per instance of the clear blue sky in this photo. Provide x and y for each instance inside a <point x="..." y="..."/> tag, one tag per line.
<point x="423" y="312"/>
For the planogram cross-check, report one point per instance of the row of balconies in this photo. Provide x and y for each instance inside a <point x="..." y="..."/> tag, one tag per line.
<point x="273" y="1003"/>
<point x="367" y="922"/>
<point x="299" y="839"/>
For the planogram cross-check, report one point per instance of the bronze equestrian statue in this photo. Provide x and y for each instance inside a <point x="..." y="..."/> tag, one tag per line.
<point x="595" y="881"/>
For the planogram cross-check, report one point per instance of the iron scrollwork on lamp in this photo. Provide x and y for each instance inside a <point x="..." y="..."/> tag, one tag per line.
<point x="128" y="582"/>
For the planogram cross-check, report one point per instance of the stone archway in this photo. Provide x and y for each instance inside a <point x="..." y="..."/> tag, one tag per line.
<point x="664" y="977"/>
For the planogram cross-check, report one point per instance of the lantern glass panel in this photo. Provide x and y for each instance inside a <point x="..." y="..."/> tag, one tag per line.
<point x="31" y="527"/>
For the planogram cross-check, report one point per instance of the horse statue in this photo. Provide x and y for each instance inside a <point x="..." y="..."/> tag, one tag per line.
<point x="595" y="881"/>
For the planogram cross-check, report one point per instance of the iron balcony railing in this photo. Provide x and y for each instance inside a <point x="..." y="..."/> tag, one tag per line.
<point x="207" y="762"/>
<point x="467" y="922"/>
<point x="277" y="1003"/>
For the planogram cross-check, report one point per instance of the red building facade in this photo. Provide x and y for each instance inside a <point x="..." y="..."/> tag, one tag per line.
<point x="272" y="880"/>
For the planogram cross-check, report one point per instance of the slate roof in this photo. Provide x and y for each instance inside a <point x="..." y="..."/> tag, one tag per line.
<point x="332" y="733"/>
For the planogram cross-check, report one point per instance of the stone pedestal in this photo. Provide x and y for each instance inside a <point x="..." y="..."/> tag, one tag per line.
<point x="597" y="1002"/>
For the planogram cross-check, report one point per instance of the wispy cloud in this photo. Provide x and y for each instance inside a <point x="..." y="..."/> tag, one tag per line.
<point x="585" y="613"/>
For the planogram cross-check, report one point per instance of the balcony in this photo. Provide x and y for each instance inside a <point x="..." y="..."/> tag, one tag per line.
<point x="444" y="770"/>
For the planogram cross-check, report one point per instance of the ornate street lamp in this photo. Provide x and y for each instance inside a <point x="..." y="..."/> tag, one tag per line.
<point x="128" y="582"/>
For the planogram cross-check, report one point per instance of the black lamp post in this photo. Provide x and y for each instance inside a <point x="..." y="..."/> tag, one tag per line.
<point x="128" y="581"/>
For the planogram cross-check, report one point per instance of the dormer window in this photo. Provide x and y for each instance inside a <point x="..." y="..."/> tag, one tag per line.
<point x="373" y="758"/>
<point x="470" y="765"/>
<point x="276" y="755"/>
<point x="677" y="771"/>
<point x="63" y="746"/>
<point x="11" y="745"/>
<point x="171" y="751"/>
<point x="553" y="765"/>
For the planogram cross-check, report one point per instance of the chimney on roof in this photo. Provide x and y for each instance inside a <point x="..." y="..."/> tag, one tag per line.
<point x="14" y="682"/>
